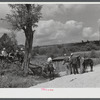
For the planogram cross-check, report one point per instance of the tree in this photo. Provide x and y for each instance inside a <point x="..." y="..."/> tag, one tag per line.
<point x="6" y="41"/>
<point x="12" y="35"/>
<point x="25" y="17"/>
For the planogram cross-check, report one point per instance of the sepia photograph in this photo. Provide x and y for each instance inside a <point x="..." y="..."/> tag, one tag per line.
<point x="49" y="45"/>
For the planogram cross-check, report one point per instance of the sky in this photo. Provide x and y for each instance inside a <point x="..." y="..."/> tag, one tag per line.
<point x="61" y="23"/>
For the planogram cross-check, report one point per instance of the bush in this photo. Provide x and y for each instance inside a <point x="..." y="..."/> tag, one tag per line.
<point x="93" y="54"/>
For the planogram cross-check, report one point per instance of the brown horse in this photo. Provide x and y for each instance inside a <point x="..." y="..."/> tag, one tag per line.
<point x="87" y="62"/>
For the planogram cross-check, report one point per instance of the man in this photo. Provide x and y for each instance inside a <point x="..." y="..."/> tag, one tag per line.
<point x="49" y="60"/>
<point x="70" y="57"/>
<point x="66" y="61"/>
<point x="22" y="54"/>
<point x="51" y="68"/>
<point x="4" y="53"/>
<point x="74" y="63"/>
<point x="18" y="55"/>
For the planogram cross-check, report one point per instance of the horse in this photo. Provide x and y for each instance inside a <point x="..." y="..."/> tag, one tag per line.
<point x="49" y="70"/>
<point x="87" y="62"/>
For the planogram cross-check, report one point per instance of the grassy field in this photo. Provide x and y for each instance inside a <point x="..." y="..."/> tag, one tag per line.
<point x="9" y="81"/>
<point x="12" y="76"/>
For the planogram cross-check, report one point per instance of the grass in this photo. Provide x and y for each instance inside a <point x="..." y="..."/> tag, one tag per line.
<point x="12" y="77"/>
<point x="89" y="54"/>
<point x="96" y="61"/>
<point x="9" y="81"/>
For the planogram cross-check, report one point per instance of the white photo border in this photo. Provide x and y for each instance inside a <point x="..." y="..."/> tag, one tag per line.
<point x="57" y="92"/>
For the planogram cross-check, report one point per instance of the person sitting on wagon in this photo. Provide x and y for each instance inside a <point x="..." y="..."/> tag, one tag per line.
<point x="4" y="53"/>
<point x="17" y="54"/>
<point x="22" y="54"/>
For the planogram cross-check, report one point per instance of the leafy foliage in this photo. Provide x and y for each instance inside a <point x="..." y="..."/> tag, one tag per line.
<point x="19" y="15"/>
<point x="25" y="17"/>
<point x="7" y="42"/>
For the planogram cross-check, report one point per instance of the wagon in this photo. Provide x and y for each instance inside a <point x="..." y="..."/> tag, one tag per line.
<point x="39" y="69"/>
<point x="36" y="69"/>
<point x="58" y="63"/>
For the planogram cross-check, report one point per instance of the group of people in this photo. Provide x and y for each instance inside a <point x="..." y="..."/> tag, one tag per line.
<point x="68" y="62"/>
<point x="18" y="54"/>
<point x="51" y="67"/>
<point x="65" y="61"/>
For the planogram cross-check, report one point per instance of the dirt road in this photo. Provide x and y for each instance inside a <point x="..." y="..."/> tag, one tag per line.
<point x="86" y="80"/>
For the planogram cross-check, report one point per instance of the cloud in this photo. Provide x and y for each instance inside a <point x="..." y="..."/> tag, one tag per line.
<point x="54" y="32"/>
<point x="87" y="32"/>
<point x="51" y="10"/>
<point x="95" y="36"/>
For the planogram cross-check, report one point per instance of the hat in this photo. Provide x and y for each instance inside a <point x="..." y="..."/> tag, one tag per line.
<point x="3" y="48"/>
<point x="22" y="49"/>
<point x="64" y="54"/>
<point x="16" y="50"/>
<point x="71" y="54"/>
<point x="49" y="60"/>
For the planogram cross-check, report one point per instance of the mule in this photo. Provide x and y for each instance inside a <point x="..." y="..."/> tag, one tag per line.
<point x="86" y="63"/>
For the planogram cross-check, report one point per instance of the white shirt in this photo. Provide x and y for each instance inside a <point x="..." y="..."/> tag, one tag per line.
<point x="4" y="53"/>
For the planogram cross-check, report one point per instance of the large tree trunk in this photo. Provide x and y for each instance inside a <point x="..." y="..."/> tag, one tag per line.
<point x="28" y="50"/>
<point x="29" y="40"/>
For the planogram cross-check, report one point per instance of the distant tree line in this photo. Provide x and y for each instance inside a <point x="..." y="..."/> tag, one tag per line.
<point x="61" y="49"/>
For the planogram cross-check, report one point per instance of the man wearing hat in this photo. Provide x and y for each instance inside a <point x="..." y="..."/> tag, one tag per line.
<point x="51" y="68"/>
<point x="22" y="54"/>
<point x="66" y="63"/>
<point x="49" y="60"/>
<point x="65" y="59"/>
